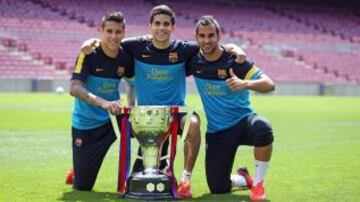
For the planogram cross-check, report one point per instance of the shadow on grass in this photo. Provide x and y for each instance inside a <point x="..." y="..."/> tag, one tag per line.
<point x="86" y="196"/>
<point x="223" y="197"/>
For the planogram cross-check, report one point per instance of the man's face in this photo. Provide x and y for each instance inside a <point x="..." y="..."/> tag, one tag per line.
<point x="111" y="35"/>
<point x="208" y="39"/>
<point x="161" y="28"/>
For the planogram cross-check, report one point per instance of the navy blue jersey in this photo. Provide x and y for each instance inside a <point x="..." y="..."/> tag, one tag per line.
<point x="101" y="76"/>
<point x="160" y="73"/>
<point x="223" y="108"/>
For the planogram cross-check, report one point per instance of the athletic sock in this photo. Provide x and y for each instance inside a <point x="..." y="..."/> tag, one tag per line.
<point x="260" y="171"/>
<point x="238" y="181"/>
<point x="186" y="176"/>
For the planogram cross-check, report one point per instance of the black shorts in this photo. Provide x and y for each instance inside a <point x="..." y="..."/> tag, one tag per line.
<point x="138" y="166"/>
<point x="221" y="148"/>
<point x="89" y="149"/>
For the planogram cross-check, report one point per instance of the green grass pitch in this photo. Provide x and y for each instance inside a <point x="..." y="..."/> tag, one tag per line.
<point x="315" y="158"/>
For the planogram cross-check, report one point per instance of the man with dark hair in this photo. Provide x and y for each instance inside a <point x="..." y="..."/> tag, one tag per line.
<point x="162" y="9"/>
<point x="224" y="87"/>
<point x="94" y="84"/>
<point x="160" y="75"/>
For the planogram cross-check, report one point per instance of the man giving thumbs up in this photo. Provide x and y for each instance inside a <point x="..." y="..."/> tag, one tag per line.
<point x="224" y="88"/>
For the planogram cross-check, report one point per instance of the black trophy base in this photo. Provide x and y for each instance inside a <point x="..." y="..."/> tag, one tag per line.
<point x="149" y="188"/>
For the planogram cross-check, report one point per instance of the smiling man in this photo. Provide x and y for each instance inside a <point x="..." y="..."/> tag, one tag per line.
<point x="160" y="74"/>
<point x="224" y="87"/>
<point x="94" y="84"/>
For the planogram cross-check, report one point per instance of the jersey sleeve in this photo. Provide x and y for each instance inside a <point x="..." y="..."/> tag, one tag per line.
<point x="132" y="44"/>
<point x="247" y="71"/>
<point x="191" y="49"/>
<point x="129" y="64"/>
<point x="82" y="67"/>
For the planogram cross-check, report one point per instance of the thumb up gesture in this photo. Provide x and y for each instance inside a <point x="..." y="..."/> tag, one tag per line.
<point x="234" y="82"/>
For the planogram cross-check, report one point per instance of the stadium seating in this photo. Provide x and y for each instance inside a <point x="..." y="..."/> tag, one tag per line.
<point x="326" y="53"/>
<point x="293" y="41"/>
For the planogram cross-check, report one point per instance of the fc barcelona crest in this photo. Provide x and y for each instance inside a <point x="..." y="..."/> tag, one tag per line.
<point x="120" y="71"/>
<point x="222" y="73"/>
<point x="173" y="57"/>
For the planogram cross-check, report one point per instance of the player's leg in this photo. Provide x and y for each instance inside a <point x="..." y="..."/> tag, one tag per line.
<point x="89" y="150"/>
<point x="261" y="136"/>
<point x="191" y="143"/>
<point x="191" y="150"/>
<point x="219" y="158"/>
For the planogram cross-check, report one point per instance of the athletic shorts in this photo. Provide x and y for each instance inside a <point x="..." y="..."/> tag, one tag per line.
<point x="221" y="147"/>
<point x="89" y="149"/>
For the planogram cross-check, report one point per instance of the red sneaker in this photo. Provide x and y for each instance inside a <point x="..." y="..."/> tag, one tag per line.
<point x="184" y="190"/>
<point x="258" y="192"/>
<point x="243" y="171"/>
<point x="69" y="179"/>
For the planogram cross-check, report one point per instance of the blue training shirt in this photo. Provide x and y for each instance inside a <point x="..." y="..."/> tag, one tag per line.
<point x="101" y="76"/>
<point x="160" y="73"/>
<point x="223" y="108"/>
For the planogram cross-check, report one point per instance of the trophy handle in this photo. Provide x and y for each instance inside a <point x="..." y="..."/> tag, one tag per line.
<point x="115" y="124"/>
<point x="114" y="120"/>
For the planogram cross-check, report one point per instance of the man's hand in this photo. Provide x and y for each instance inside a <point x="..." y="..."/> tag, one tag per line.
<point x="240" y="56"/>
<point x="235" y="83"/>
<point x="237" y="51"/>
<point x="112" y="106"/>
<point x="146" y="37"/>
<point x="89" y="45"/>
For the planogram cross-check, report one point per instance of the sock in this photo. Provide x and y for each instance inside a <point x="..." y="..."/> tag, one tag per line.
<point x="260" y="171"/>
<point x="186" y="176"/>
<point x="238" y="181"/>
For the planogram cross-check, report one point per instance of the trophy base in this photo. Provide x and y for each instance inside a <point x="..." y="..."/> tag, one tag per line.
<point x="149" y="188"/>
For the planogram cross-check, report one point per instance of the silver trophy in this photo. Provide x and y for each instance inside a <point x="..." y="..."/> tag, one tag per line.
<point x="151" y="127"/>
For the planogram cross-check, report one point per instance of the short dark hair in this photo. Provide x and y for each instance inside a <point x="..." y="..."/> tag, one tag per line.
<point x="162" y="9"/>
<point x="207" y="20"/>
<point x="115" y="16"/>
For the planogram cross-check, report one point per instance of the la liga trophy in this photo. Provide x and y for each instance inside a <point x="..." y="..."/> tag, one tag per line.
<point x="151" y="126"/>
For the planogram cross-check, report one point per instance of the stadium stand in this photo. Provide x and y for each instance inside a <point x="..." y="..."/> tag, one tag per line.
<point x="293" y="41"/>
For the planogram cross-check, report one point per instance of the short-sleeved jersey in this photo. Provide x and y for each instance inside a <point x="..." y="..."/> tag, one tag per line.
<point x="223" y="108"/>
<point x="101" y="76"/>
<point x="160" y="73"/>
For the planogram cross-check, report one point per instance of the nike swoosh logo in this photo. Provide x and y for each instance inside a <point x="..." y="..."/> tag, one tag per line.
<point x="145" y="56"/>
<point x="99" y="70"/>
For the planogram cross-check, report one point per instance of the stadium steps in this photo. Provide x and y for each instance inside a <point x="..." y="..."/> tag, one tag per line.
<point x="19" y="64"/>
